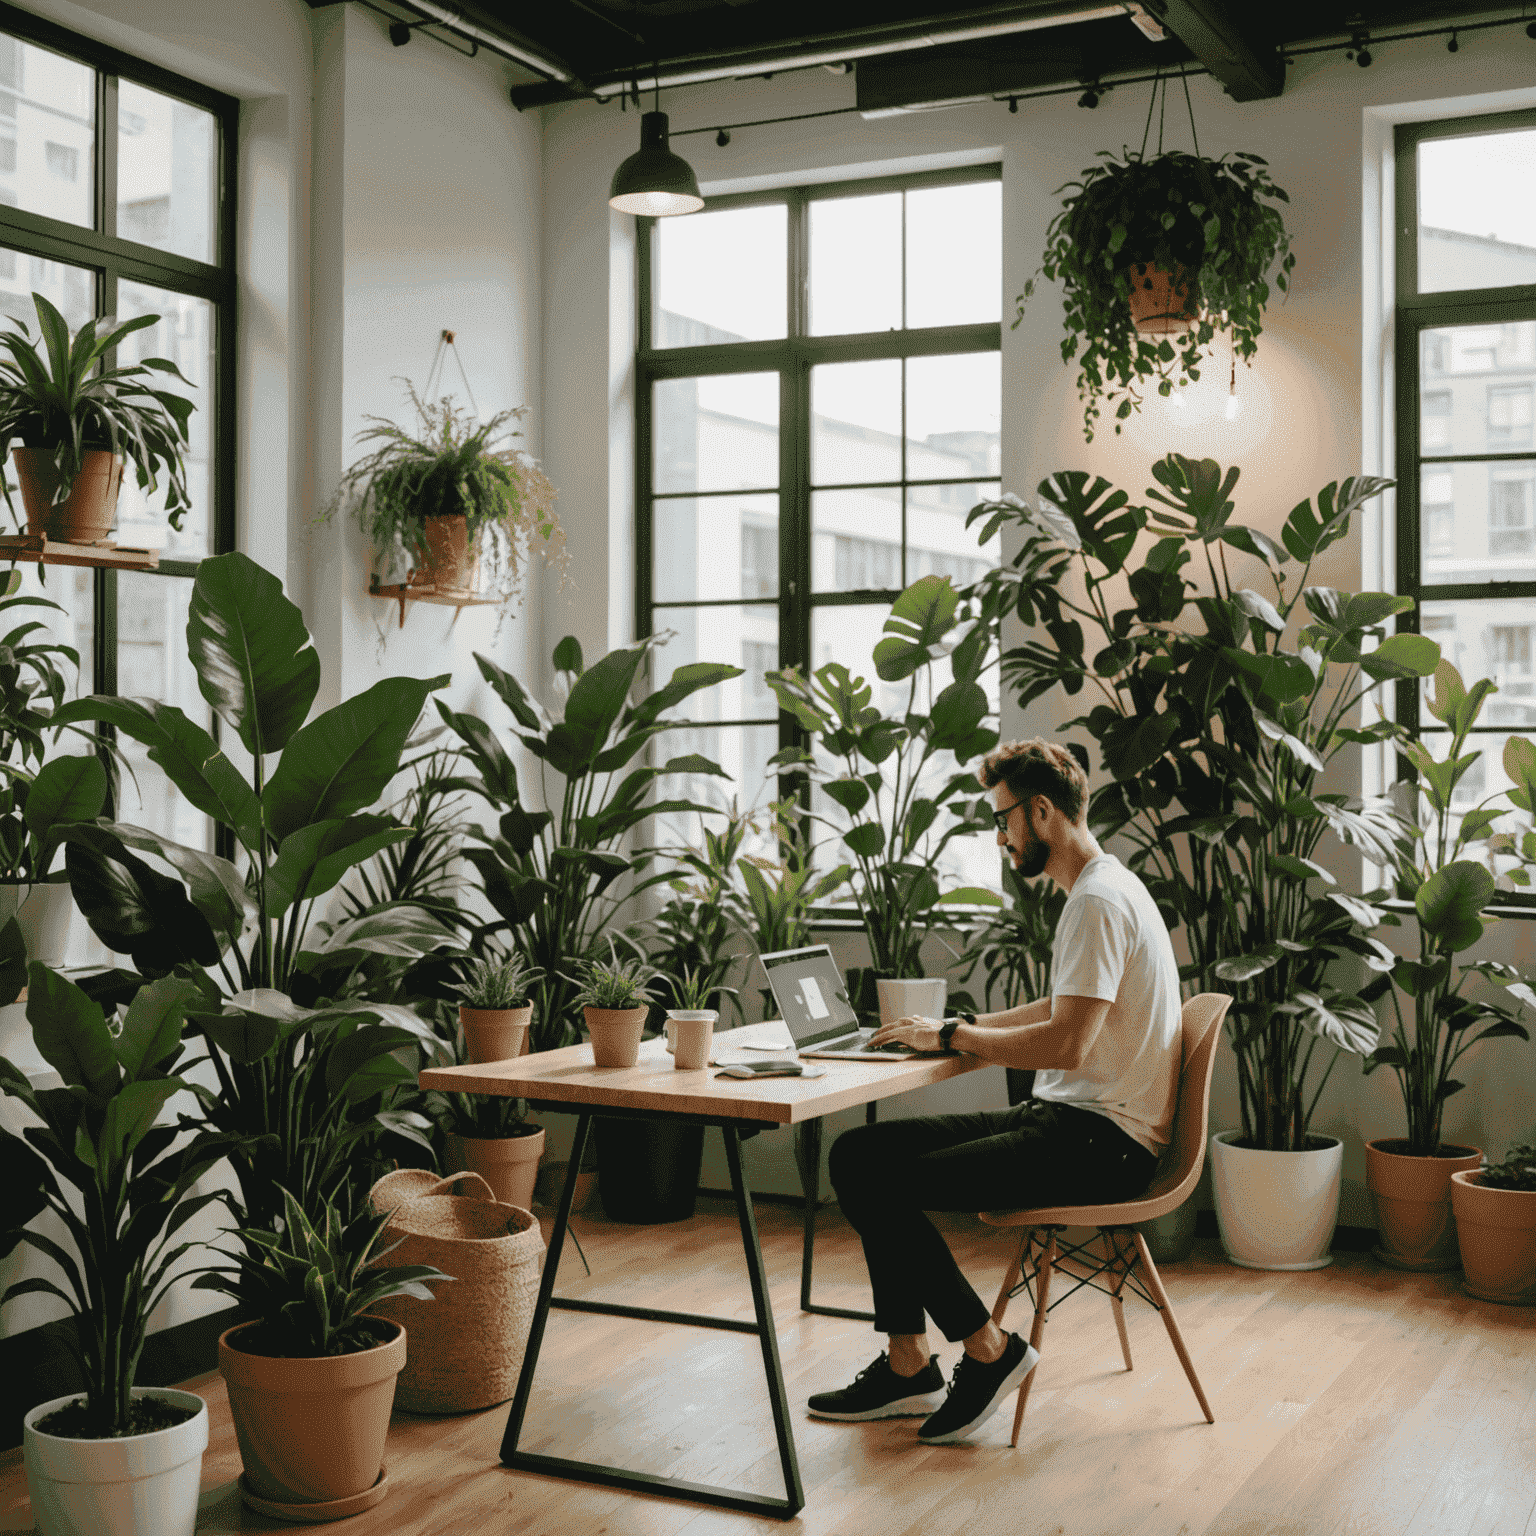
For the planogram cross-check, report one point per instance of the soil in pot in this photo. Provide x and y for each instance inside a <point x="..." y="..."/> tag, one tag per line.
<point x="311" y="1430"/>
<point x="648" y="1170"/>
<point x="1413" y="1202"/>
<point x="87" y="514"/>
<point x="146" y="1415"/>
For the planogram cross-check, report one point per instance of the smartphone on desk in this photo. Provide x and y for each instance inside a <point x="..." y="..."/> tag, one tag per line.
<point x="763" y="1069"/>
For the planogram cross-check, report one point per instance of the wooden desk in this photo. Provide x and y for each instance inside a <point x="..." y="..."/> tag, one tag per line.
<point x="654" y="1089"/>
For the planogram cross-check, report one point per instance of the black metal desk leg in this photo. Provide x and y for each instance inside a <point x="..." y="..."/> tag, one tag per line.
<point x="808" y="1159"/>
<point x="546" y="1290"/>
<point x="793" y="1491"/>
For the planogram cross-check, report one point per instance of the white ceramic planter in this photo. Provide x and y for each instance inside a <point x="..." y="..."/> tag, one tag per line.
<point x="42" y="912"/>
<point x="1276" y="1210"/>
<point x="912" y="998"/>
<point x="145" y="1485"/>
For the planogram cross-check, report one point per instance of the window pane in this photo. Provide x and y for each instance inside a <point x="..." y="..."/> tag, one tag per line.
<point x="721" y="276"/>
<point x="939" y="543"/>
<point x="71" y="290"/>
<point x="1491" y="638"/>
<point x="1478" y="521"/>
<point x="717" y="434"/>
<point x="855" y="278"/>
<point x="47" y="133"/>
<point x="741" y="636"/>
<point x="954" y="416"/>
<point x="856" y="540"/>
<point x="1476" y="386"/>
<point x="167" y="185"/>
<point x="855" y="422"/>
<point x="1477" y="213"/>
<point x="955" y="254"/>
<point x="184" y="336"/>
<point x="695" y="540"/>
<point x="152" y="662"/>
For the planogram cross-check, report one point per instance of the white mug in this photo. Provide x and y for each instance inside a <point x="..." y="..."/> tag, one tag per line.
<point x="689" y="1034"/>
<point x="923" y="997"/>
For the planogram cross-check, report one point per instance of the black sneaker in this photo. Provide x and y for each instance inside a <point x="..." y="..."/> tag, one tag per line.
<point x="877" y="1392"/>
<point x="977" y="1391"/>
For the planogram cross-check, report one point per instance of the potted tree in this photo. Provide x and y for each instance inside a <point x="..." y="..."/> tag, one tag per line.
<point x="899" y="783"/>
<point x="1410" y="1177"/>
<point x="115" y="1460"/>
<point x="454" y="498"/>
<point x="1496" y="1227"/>
<point x="311" y="1376"/>
<point x="78" y="422"/>
<point x="1155" y="255"/>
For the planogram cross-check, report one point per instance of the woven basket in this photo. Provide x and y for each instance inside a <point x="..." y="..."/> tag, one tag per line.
<point x="465" y="1347"/>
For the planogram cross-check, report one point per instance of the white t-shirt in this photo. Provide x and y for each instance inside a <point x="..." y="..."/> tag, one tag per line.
<point x="1112" y="943"/>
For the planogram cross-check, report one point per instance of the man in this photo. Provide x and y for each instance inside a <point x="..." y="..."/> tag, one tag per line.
<point x="1106" y="1050"/>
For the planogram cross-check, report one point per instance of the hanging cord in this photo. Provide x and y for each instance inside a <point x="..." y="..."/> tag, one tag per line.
<point x="1151" y="105"/>
<point x="1189" y="107"/>
<point x="1162" y="116"/>
<point x="445" y="344"/>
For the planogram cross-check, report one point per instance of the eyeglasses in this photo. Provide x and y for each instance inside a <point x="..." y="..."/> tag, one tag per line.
<point x="1000" y="818"/>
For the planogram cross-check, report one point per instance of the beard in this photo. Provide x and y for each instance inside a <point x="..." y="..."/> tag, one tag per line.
<point x="1034" y="856"/>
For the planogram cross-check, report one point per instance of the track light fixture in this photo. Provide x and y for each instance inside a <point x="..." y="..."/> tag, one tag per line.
<point x="723" y="137"/>
<point x="1013" y="103"/>
<point x="399" y="33"/>
<point x="1530" y="30"/>
<point x="1359" y="49"/>
<point x="1089" y="98"/>
<point x="1453" y="46"/>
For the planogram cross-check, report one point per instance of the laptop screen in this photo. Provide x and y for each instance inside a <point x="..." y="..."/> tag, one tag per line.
<point x="812" y="998"/>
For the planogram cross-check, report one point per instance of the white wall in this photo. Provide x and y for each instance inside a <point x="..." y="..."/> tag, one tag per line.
<point x="1312" y="404"/>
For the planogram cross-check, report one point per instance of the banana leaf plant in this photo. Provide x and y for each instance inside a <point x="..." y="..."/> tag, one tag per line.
<point x="556" y="876"/>
<point x="899" y="783"/>
<point x="1214" y="733"/>
<point x="100" y="1163"/>
<point x="1432" y="867"/>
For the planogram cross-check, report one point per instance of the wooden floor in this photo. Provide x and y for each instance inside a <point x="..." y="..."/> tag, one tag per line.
<point x="1349" y="1401"/>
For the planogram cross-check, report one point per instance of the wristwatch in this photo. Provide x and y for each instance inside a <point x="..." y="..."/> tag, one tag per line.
<point x="948" y="1028"/>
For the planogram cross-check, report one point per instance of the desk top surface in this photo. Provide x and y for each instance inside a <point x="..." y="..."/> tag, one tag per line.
<point x="654" y="1084"/>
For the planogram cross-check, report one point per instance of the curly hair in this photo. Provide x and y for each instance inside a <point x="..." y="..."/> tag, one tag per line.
<point x="1038" y="767"/>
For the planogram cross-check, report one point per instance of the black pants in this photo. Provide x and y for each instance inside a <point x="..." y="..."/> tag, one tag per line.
<point x="1038" y="1153"/>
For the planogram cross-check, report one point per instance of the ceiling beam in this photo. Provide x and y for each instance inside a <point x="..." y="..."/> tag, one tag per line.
<point x="1248" y="66"/>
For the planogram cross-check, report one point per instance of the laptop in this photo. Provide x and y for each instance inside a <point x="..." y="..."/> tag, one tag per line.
<point x="813" y="1002"/>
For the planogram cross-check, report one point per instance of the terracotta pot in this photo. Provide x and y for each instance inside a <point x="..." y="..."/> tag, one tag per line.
<point x="495" y="1034"/>
<point x="1413" y="1202"/>
<point x="87" y="514"/>
<point x="509" y="1164"/>
<point x="448" y="563"/>
<point x="311" y="1432"/>
<point x="616" y="1035"/>
<point x="1496" y="1231"/>
<point x="1160" y="302"/>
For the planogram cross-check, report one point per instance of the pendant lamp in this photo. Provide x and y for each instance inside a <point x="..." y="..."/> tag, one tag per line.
<point x="653" y="181"/>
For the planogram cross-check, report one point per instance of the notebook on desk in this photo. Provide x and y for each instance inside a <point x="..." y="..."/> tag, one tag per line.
<point x="813" y="1002"/>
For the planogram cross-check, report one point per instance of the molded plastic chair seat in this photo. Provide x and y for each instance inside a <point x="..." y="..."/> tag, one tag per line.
<point x="1125" y="1250"/>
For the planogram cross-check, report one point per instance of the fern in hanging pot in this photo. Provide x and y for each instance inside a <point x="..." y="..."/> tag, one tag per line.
<point x="454" y="500"/>
<point x="1155" y="256"/>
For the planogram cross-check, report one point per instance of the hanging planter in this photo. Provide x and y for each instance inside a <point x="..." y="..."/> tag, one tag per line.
<point x="1155" y="255"/>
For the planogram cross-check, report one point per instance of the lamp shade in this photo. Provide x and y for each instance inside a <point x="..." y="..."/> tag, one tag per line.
<point x="654" y="181"/>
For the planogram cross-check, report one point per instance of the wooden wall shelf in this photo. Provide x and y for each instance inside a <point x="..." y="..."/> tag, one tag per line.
<point x="34" y="549"/>
<point x="425" y="592"/>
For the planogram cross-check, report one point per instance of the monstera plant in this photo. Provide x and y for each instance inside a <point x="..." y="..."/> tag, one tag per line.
<point x="899" y="783"/>
<point x="1216" y="711"/>
<point x="557" y="876"/>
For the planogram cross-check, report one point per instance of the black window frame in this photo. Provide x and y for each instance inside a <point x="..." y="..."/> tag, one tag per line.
<point x="1415" y="313"/>
<point x="112" y="259"/>
<point x="792" y="357"/>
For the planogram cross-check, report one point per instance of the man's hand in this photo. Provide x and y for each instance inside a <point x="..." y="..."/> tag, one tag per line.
<point x="920" y="1033"/>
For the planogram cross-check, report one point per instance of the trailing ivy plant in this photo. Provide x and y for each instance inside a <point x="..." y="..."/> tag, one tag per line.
<point x="1210" y="223"/>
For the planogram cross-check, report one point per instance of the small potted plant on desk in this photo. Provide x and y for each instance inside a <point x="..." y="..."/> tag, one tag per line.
<point x="78" y="420"/>
<point x="1496" y="1227"/>
<point x="311" y="1377"/>
<point x="115" y="1460"/>
<point x="487" y="1133"/>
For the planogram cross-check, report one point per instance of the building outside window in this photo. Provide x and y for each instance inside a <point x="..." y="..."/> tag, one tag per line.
<point x="819" y="388"/>
<point x="1466" y="350"/>
<point x="91" y="140"/>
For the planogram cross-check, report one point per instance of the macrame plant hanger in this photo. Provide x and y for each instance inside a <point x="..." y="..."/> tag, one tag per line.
<point x="404" y="592"/>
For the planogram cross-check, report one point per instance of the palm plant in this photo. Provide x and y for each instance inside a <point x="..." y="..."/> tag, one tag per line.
<point x="57" y="393"/>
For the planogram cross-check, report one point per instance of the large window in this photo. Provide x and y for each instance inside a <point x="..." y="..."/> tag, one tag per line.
<point x="116" y="198"/>
<point x="1466" y="359"/>
<point x="819" y="406"/>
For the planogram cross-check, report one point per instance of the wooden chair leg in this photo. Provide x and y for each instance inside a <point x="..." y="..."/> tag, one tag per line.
<point x="1155" y="1285"/>
<point x="1011" y="1279"/>
<point x="1036" y="1333"/>
<point x="1122" y="1273"/>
